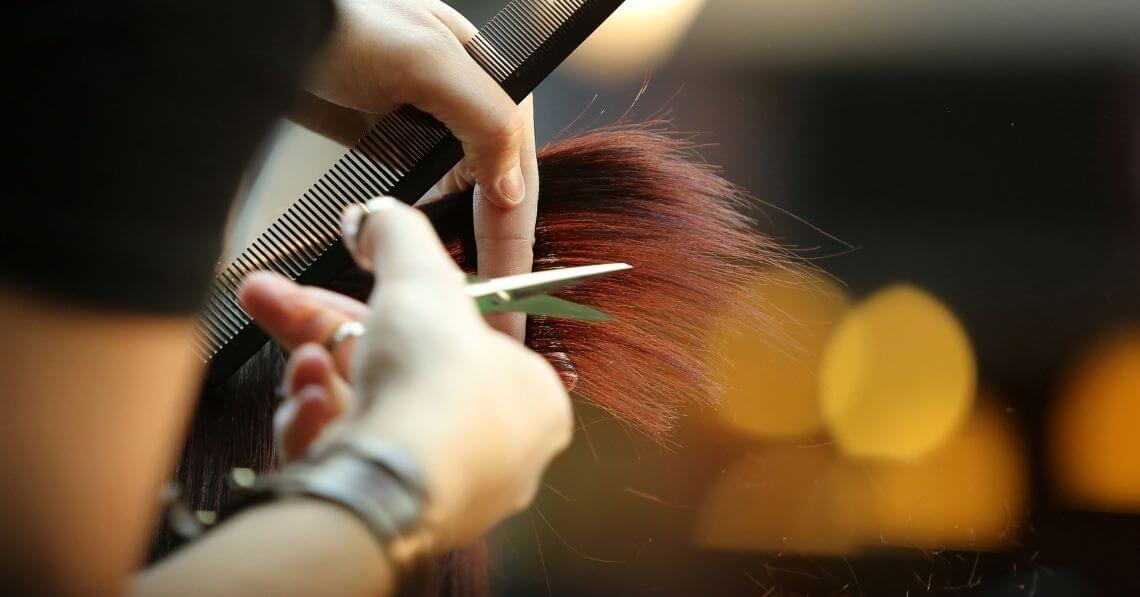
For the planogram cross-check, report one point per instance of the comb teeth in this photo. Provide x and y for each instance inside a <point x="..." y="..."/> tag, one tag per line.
<point x="311" y="225"/>
<point x="405" y="153"/>
<point x="517" y="32"/>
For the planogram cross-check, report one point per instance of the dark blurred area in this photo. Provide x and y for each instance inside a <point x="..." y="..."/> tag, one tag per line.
<point x="962" y="183"/>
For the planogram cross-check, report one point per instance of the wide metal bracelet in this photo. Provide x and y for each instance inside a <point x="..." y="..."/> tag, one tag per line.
<point x="375" y="483"/>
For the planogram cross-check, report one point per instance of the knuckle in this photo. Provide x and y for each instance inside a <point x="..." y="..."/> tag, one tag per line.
<point x="422" y="59"/>
<point x="417" y="77"/>
<point x="559" y="411"/>
<point x="403" y="217"/>
<point x="427" y="314"/>
<point x="525" y="497"/>
<point x="563" y="428"/>
<point x="507" y="246"/>
<point x="410" y="82"/>
<point x="407" y="303"/>
<point x="507" y="129"/>
<point x="417" y="218"/>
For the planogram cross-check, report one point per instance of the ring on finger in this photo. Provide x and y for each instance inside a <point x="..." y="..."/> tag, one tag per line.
<point x="346" y="330"/>
<point x="366" y="211"/>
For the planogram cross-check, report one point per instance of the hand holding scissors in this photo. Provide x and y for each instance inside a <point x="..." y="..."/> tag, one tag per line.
<point x="481" y="414"/>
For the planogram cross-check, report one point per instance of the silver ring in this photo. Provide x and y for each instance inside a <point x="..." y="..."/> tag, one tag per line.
<point x="361" y="224"/>
<point x="371" y="206"/>
<point x="346" y="330"/>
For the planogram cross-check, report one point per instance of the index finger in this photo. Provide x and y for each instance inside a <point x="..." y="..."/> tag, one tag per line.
<point x="457" y="91"/>
<point x="504" y="238"/>
<point x="295" y="315"/>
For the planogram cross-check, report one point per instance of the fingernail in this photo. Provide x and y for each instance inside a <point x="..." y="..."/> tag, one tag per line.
<point x="285" y="414"/>
<point x="350" y="224"/>
<point x="380" y="204"/>
<point x="353" y="221"/>
<point x="354" y="215"/>
<point x="316" y="402"/>
<point x="511" y="187"/>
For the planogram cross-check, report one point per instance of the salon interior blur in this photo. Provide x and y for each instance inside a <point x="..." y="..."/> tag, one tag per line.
<point x="946" y="398"/>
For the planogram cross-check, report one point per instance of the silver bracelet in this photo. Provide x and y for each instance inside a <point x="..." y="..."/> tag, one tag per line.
<point x="376" y="483"/>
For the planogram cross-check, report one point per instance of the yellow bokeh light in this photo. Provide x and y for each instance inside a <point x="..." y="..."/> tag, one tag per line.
<point x="767" y="351"/>
<point x="969" y="493"/>
<point x="638" y="36"/>
<point x="897" y="376"/>
<point x="1095" y="428"/>
<point x="775" y="500"/>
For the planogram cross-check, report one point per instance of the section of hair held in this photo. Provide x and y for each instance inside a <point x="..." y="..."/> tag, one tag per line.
<point x="635" y="194"/>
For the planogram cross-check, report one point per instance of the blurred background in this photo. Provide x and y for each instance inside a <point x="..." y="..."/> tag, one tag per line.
<point x="961" y="410"/>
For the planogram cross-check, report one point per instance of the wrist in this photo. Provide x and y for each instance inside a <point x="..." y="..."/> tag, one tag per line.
<point x="334" y="525"/>
<point x="367" y="480"/>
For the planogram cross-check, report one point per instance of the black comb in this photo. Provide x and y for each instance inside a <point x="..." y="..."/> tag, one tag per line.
<point x="402" y="156"/>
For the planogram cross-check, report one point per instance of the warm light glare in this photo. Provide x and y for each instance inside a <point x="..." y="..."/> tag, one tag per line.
<point x="969" y="493"/>
<point x="1095" y="428"/>
<point x="742" y="33"/>
<point x="776" y="500"/>
<point x="897" y="376"/>
<point x="767" y="352"/>
<point x="637" y="37"/>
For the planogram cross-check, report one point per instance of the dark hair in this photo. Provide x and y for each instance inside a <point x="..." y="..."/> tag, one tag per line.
<point x="627" y="193"/>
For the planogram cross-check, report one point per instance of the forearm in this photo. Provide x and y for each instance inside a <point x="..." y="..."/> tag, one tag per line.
<point x="95" y="404"/>
<point x="293" y="547"/>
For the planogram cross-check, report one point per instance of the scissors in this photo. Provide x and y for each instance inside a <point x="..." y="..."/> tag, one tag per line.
<point x="527" y="293"/>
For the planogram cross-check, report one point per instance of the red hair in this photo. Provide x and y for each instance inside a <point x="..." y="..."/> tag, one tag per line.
<point x="635" y="194"/>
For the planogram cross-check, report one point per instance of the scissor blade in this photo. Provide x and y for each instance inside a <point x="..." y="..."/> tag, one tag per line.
<point x="523" y="285"/>
<point x="545" y="305"/>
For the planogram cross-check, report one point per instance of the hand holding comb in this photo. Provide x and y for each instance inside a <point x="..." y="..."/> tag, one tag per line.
<point x="403" y="155"/>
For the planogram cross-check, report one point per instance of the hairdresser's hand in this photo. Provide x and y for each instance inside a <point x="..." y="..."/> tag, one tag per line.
<point x="504" y="237"/>
<point x="385" y="53"/>
<point x="391" y="52"/>
<point x="481" y="414"/>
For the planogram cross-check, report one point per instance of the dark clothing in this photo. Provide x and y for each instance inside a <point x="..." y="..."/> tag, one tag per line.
<point x="129" y="124"/>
